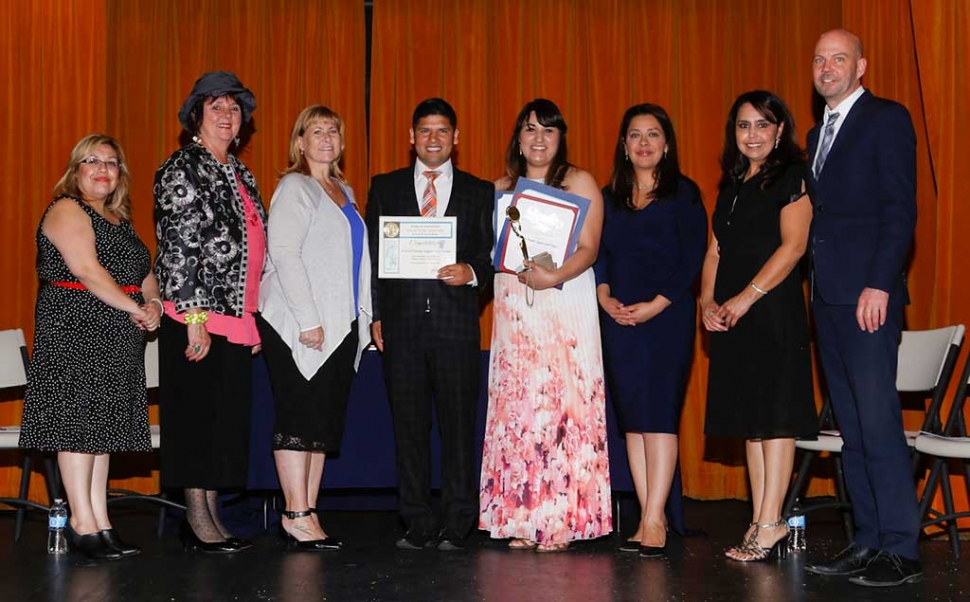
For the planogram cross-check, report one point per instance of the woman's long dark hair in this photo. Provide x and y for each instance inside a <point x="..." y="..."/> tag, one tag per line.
<point x="667" y="172"/>
<point x="548" y="115"/>
<point x="734" y="164"/>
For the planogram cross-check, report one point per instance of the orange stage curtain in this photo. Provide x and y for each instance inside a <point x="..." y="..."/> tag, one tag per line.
<point x="125" y="66"/>
<point x="53" y="56"/>
<point x="941" y="31"/>
<point x="595" y="59"/>
<point x="290" y="53"/>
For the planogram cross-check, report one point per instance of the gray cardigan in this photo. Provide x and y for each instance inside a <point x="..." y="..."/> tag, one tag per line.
<point x="308" y="281"/>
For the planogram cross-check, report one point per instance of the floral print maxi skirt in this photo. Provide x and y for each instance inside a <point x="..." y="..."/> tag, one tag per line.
<point x="545" y="465"/>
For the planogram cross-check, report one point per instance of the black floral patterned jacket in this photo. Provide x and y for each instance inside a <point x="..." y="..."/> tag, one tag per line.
<point x="200" y="224"/>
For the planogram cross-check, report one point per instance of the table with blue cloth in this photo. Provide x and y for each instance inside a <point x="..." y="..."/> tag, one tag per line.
<point x="366" y="459"/>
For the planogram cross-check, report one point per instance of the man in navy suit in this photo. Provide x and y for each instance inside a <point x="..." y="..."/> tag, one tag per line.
<point x="428" y="331"/>
<point x="863" y="187"/>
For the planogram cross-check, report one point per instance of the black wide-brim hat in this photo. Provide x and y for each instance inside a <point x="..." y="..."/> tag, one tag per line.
<point x="217" y="84"/>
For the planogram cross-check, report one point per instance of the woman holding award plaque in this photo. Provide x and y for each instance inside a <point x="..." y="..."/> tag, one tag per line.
<point x="654" y="237"/>
<point x="545" y="467"/>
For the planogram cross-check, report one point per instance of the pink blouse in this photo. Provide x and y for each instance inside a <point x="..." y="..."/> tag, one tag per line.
<point x="242" y="330"/>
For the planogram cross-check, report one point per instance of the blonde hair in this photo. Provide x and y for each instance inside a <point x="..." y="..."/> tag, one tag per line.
<point x="117" y="203"/>
<point x="304" y="120"/>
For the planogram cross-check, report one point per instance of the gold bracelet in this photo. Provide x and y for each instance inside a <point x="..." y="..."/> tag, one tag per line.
<point x="761" y="292"/>
<point x="197" y="318"/>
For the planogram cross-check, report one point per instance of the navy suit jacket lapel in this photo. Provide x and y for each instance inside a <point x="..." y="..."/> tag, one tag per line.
<point x="454" y="201"/>
<point x="848" y="129"/>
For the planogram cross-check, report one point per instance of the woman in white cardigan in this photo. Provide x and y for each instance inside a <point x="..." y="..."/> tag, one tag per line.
<point x="315" y="305"/>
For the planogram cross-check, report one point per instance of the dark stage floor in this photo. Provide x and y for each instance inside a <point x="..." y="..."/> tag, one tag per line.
<point x="371" y="568"/>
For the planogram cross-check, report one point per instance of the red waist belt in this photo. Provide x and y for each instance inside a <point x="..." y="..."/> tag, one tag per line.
<point x="131" y="288"/>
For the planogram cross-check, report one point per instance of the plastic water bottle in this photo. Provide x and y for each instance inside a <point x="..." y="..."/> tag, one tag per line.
<point x="796" y="535"/>
<point x="56" y="525"/>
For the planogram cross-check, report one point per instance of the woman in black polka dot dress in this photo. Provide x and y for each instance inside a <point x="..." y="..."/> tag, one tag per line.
<point x="86" y="386"/>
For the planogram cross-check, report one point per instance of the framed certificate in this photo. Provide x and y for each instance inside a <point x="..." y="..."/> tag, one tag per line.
<point x="549" y="221"/>
<point x="416" y="247"/>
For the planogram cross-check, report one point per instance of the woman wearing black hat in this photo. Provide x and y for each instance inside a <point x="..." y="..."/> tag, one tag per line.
<point x="210" y="224"/>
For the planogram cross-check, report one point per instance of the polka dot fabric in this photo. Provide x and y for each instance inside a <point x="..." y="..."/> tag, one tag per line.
<point x="86" y="384"/>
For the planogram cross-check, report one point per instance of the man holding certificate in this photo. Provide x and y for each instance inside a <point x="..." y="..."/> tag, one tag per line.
<point x="426" y="322"/>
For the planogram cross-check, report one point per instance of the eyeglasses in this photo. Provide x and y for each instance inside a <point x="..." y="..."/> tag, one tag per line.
<point x="96" y="163"/>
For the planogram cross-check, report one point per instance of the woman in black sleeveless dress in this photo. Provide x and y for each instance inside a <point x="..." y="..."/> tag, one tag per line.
<point x="760" y="381"/>
<point x="86" y="386"/>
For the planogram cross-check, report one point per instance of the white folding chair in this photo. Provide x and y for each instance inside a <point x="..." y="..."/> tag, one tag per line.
<point x="119" y="495"/>
<point x="926" y="362"/>
<point x="954" y="444"/>
<point x="13" y="374"/>
<point x="151" y="382"/>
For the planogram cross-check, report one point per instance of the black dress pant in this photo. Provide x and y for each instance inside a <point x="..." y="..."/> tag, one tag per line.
<point x="415" y="371"/>
<point x="860" y="370"/>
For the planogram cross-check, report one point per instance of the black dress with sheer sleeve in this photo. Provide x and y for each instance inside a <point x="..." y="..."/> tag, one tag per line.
<point x="760" y="380"/>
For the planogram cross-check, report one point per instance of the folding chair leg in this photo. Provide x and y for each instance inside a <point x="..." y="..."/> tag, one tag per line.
<point x="161" y="516"/>
<point x="843" y="497"/>
<point x="948" y="508"/>
<point x="929" y="490"/>
<point x="801" y="482"/>
<point x="24" y="488"/>
<point x="915" y="457"/>
<point x="966" y="476"/>
<point x="53" y="479"/>
<point x="616" y="514"/>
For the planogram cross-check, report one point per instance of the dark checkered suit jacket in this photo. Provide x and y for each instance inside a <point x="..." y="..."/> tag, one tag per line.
<point x="402" y="305"/>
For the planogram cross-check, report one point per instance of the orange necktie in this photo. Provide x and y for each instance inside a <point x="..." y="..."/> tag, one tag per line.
<point x="429" y="201"/>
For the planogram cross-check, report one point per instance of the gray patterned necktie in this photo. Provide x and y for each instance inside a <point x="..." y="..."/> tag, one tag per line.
<point x="827" y="137"/>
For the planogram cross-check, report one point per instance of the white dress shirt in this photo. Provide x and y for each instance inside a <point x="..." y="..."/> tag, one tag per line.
<point x="442" y="185"/>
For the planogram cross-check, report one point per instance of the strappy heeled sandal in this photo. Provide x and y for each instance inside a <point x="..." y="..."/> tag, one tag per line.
<point x="756" y="553"/>
<point x="741" y="547"/>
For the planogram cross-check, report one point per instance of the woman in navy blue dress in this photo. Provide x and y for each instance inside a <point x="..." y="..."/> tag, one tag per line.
<point x="654" y="237"/>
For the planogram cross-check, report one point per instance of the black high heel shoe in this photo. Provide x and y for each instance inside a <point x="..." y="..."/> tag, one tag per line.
<point x="655" y="551"/>
<point x="91" y="546"/>
<point x="652" y="551"/>
<point x="191" y="541"/>
<point x="629" y="545"/>
<point x="327" y="544"/>
<point x="242" y="544"/>
<point x="111" y="537"/>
